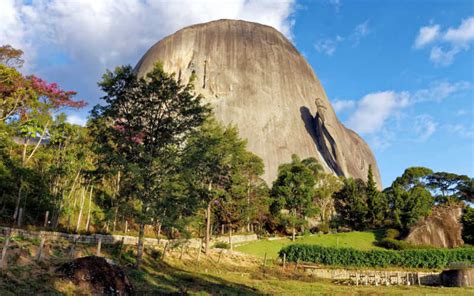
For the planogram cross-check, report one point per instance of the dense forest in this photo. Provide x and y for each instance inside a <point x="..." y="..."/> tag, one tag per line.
<point x="153" y="161"/>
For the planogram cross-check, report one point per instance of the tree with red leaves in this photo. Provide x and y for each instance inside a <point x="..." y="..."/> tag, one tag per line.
<point x="27" y="106"/>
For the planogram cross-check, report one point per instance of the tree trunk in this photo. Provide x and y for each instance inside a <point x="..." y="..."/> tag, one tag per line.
<point x="18" y="199"/>
<point x="293" y="234"/>
<point x="89" y="210"/>
<point x="79" y="218"/>
<point x="208" y="220"/>
<point x="141" y="235"/>
<point x="208" y="227"/>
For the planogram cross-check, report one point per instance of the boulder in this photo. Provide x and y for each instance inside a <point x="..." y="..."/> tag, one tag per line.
<point x="442" y="228"/>
<point x="457" y="277"/>
<point x="96" y="274"/>
<point x="257" y="80"/>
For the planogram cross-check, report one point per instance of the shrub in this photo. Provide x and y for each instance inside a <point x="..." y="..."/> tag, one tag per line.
<point x="392" y="233"/>
<point x="221" y="245"/>
<point x="416" y="258"/>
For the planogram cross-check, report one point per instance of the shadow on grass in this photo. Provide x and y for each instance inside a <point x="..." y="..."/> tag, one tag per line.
<point x="169" y="280"/>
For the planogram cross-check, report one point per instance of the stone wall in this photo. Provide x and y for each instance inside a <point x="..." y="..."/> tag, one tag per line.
<point x="111" y="239"/>
<point x="377" y="277"/>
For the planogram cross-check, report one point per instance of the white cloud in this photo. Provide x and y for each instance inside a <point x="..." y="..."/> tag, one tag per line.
<point x="425" y="126"/>
<point x="461" y="112"/>
<point x="463" y="34"/>
<point x="95" y="35"/>
<point x="360" y="31"/>
<point x="343" y="105"/>
<point x="374" y="109"/>
<point x="461" y="130"/>
<point x="328" y="46"/>
<point x="446" y="45"/>
<point x="75" y="119"/>
<point x="380" y="115"/>
<point x="441" y="90"/>
<point x="426" y="35"/>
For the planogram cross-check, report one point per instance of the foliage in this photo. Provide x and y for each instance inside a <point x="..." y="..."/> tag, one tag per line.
<point x="376" y="203"/>
<point x="351" y="203"/>
<point x="425" y="258"/>
<point x="147" y="119"/>
<point x="221" y="245"/>
<point x="467" y="220"/>
<point x="293" y="191"/>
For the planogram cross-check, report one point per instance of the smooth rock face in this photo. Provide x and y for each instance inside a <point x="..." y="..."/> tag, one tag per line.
<point x="441" y="229"/>
<point x="256" y="79"/>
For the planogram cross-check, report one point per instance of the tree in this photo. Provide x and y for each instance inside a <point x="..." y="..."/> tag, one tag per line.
<point x="326" y="186"/>
<point x="351" y="203"/>
<point x="409" y="198"/>
<point x="446" y="185"/>
<point x="293" y="191"/>
<point x="468" y="225"/>
<point x="376" y="204"/>
<point x="11" y="57"/>
<point x="221" y="170"/>
<point x="148" y="119"/>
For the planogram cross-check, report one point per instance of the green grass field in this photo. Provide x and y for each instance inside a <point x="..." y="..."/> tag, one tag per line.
<point x="358" y="240"/>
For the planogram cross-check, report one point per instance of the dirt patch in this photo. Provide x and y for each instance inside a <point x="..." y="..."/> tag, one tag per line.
<point x="98" y="275"/>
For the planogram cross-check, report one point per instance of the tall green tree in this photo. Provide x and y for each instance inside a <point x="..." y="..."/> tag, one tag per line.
<point x="223" y="171"/>
<point x="409" y="198"/>
<point x="293" y="191"/>
<point x="351" y="203"/>
<point x="376" y="203"/>
<point x="148" y="118"/>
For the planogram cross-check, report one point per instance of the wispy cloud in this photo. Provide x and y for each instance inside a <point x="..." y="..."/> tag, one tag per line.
<point x="426" y="35"/>
<point x="446" y="45"/>
<point x="360" y="31"/>
<point x="343" y="105"/>
<point x="329" y="45"/>
<point x="461" y="130"/>
<point x="425" y="126"/>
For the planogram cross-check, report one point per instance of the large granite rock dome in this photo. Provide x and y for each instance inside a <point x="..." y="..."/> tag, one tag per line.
<point x="256" y="79"/>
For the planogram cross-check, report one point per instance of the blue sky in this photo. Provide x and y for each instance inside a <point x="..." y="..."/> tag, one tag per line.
<point x="400" y="73"/>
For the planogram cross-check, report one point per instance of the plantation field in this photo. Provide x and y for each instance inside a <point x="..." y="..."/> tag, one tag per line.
<point x="358" y="240"/>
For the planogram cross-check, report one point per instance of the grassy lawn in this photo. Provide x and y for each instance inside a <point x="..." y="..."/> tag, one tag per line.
<point x="358" y="240"/>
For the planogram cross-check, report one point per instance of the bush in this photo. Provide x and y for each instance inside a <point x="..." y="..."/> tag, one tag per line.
<point x="392" y="233"/>
<point x="221" y="245"/>
<point x="417" y="258"/>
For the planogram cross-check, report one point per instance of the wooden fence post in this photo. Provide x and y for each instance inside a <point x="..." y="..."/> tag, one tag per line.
<point x="121" y="248"/>
<point x="46" y="219"/>
<point x="265" y="259"/>
<point x="99" y="244"/>
<point x="220" y="255"/>
<point x="182" y="252"/>
<point x="200" y="251"/>
<point x="164" y="252"/>
<point x="20" y="216"/>
<point x="4" y="260"/>
<point x="284" y="260"/>
<point x="40" y="249"/>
